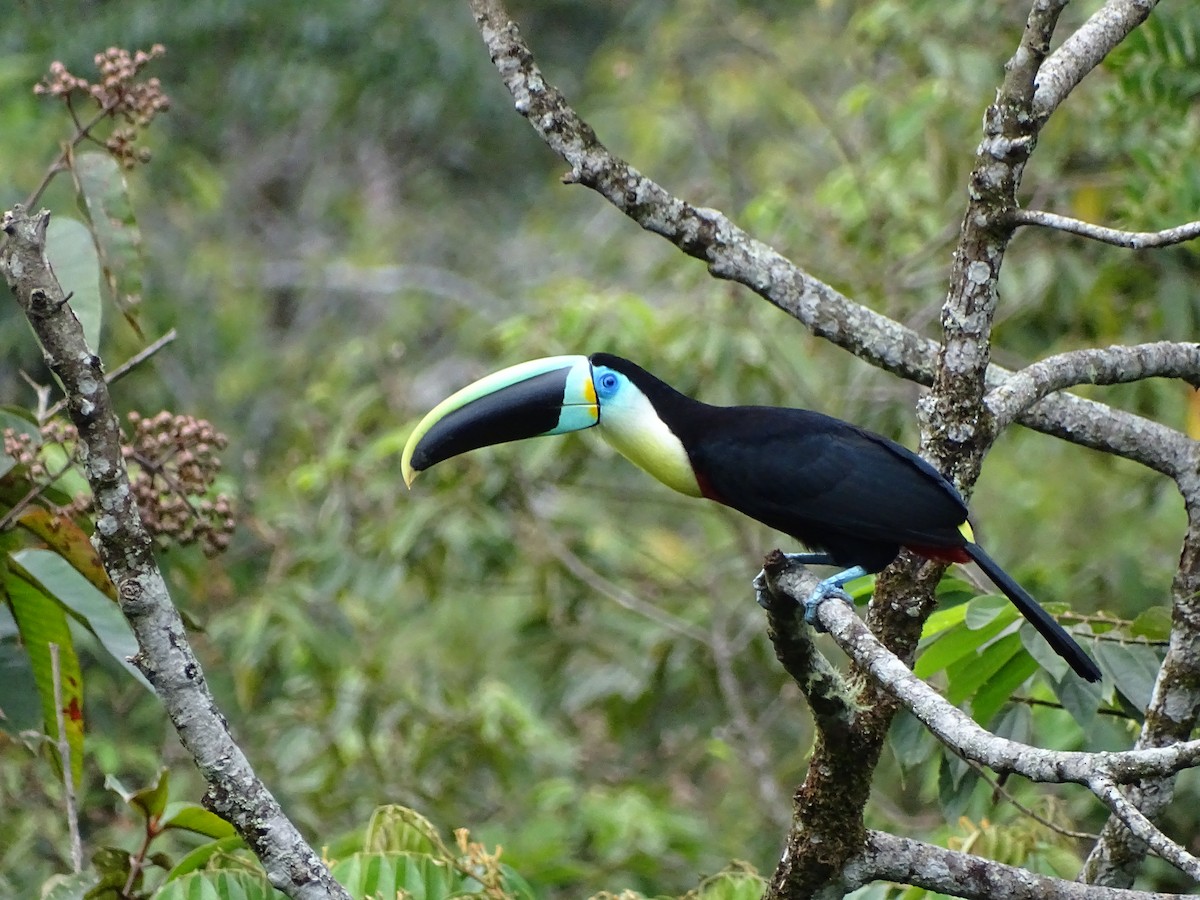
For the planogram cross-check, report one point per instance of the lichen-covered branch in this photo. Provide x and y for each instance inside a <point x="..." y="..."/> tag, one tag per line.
<point x="1086" y="49"/>
<point x="1133" y="240"/>
<point x="888" y="857"/>
<point x="164" y="656"/>
<point x="1101" y="365"/>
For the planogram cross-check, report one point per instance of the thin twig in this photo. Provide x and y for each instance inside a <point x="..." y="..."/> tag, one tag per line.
<point x="61" y="164"/>
<point x="1050" y="704"/>
<point x="122" y="370"/>
<point x="1025" y="810"/>
<point x="1134" y="240"/>
<point x="43" y="395"/>
<point x="64" y="756"/>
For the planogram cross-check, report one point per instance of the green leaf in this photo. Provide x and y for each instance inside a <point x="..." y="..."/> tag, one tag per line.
<point x="112" y="865"/>
<point x="95" y="611"/>
<point x="992" y="696"/>
<point x="398" y="828"/>
<point x="152" y="799"/>
<point x="42" y="622"/>
<point x="104" y="198"/>
<point x="1153" y="623"/>
<point x="219" y="885"/>
<point x="984" y="610"/>
<point x="412" y="875"/>
<point x="944" y="619"/>
<point x="194" y="817"/>
<point x="72" y="255"/>
<point x="735" y="883"/>
<point x="19" y="701"/>
<point x="956" y="781"/>
<point x="68" y="887"/>
<point x="968" y="675"/>
<point x="199" y="857"/>
<point x="1132" y="669"/>
<point x="958" y="643"/>
<point x="1080" y="698"/>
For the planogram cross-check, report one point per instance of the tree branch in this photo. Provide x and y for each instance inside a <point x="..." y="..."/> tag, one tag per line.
<point x="888" y="857"/>
<point x="1107" y="365"/>
<point x="1086" y="49"/>
<point x="164" y="656"/>
<point x="1133" y="240"/>
<point x="1142" y="828"/>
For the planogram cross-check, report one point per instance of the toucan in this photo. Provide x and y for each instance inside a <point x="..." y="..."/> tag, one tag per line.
<point x="853" y="496"/>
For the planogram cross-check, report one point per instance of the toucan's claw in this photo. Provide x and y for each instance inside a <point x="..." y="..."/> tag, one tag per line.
<point x="826" y="590"/>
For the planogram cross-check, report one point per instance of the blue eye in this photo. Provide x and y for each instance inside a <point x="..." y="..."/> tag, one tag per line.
<point x="607" y="384"/>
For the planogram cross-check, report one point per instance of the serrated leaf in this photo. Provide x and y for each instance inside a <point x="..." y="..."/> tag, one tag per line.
<point x="396" y="828"/>
<point x="410" y="875"/>
<point x="42" y="622"/>
<point x="70" y="542"/>
<point x="92" y="609"/>
<point x="104" y="197"/>
<point x="72" y="255"/>
<point x="195" y="818"/>
<point x="199" y="857"/>
<point x="219" y="885"/>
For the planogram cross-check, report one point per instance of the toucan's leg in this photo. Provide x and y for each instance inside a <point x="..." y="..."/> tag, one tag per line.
<point x="830" y="587"/>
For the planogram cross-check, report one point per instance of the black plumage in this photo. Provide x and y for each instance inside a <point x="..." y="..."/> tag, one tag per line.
<point x="835" y="487"/>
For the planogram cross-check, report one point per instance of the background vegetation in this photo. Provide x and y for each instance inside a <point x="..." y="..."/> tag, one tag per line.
<point x="345" y="221"/>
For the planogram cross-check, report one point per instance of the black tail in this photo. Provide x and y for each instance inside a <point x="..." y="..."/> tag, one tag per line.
<point x="1062" y="643"/>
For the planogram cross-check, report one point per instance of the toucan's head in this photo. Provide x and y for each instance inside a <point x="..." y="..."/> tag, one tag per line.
<point x="553" y="396"/>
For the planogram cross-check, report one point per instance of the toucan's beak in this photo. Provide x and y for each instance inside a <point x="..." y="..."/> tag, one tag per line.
<point x="544" y="396"/>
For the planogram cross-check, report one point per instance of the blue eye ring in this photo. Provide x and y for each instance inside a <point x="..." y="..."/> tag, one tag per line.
<point x="607" y="384"/>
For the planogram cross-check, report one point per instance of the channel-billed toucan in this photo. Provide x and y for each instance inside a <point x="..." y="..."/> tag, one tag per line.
<point x="853" y="495"/>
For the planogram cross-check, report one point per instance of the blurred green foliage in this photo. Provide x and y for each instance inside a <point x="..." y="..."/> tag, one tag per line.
<point x="346" y="221"/>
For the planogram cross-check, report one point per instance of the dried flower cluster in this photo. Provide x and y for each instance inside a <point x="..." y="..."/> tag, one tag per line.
<point x="175" y="463"/>
<point x="22" y="448"/>
<point x="118" y="93"/>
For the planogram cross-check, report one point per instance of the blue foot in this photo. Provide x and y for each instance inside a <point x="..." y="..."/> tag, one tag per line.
<point x="830" y="587"/>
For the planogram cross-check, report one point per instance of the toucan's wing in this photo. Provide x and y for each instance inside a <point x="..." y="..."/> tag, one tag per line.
<point x="804" y="473"/>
